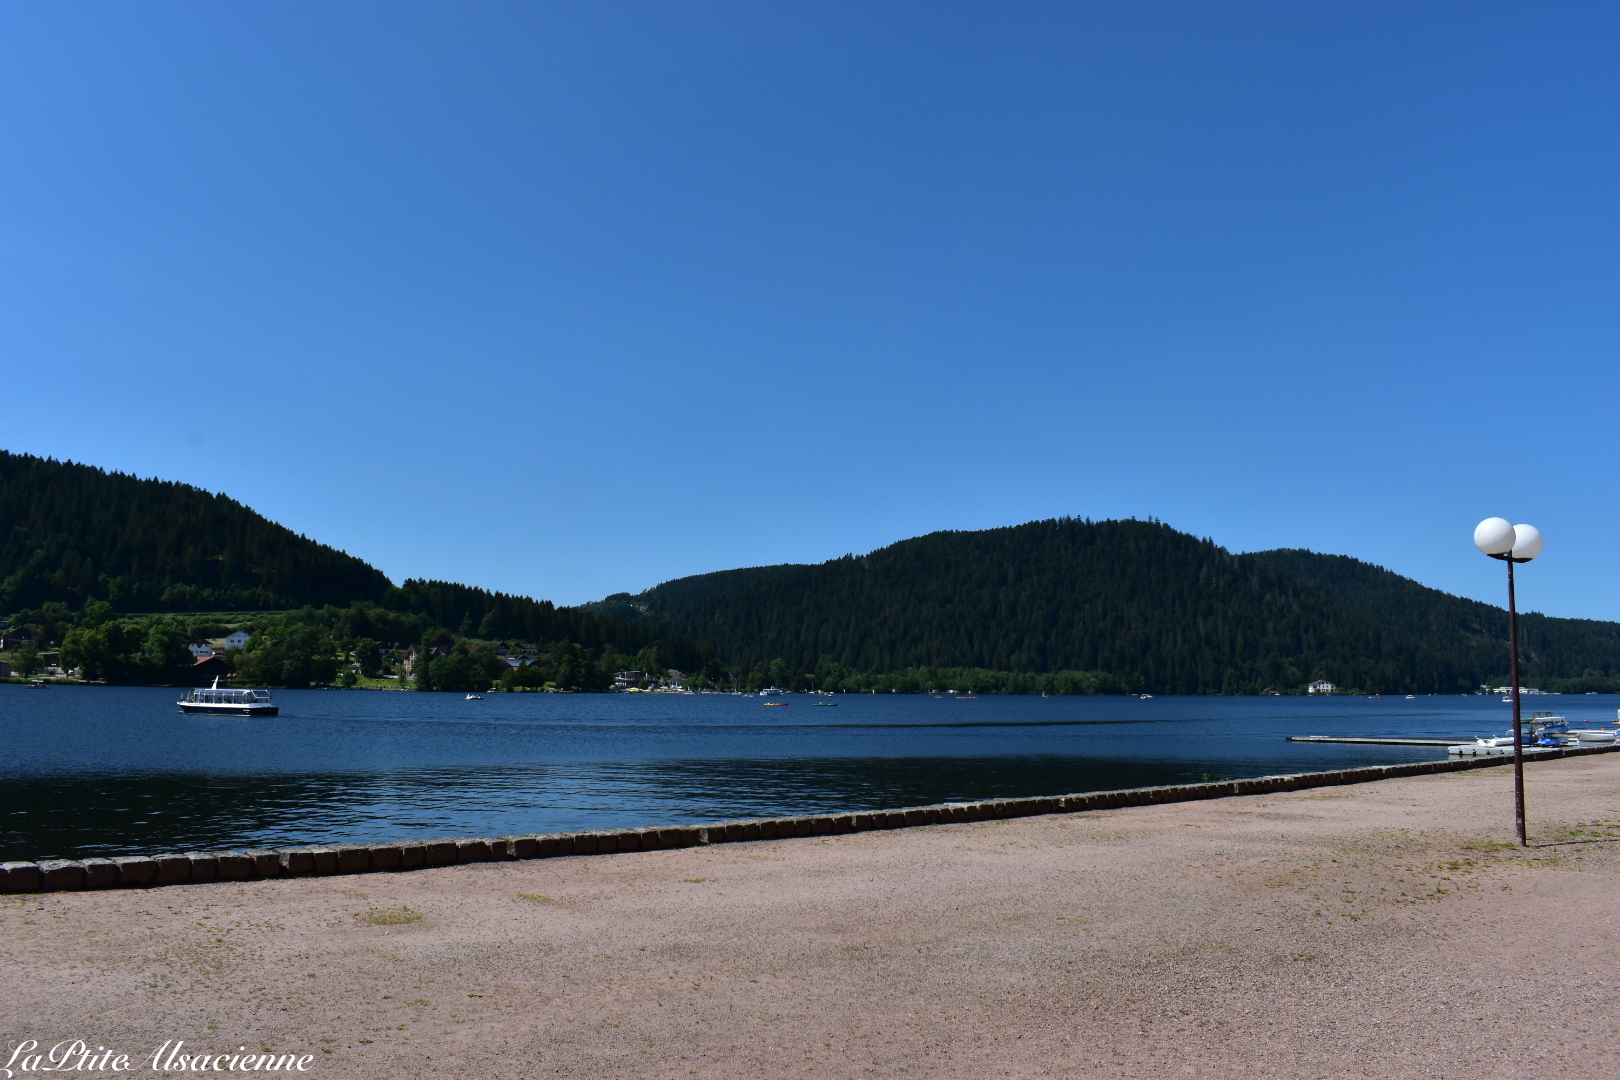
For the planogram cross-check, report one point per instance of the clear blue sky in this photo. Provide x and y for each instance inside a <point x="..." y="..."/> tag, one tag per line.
<point x="572" y="299"/>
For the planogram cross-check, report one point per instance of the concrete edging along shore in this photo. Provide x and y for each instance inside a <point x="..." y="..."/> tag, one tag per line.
<point x="53" y="875"/>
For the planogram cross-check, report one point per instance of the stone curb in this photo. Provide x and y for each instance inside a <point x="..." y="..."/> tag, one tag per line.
<point x="54" y="875"/>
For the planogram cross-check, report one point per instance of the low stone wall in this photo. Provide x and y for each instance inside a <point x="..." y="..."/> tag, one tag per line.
<point x="54" y="875"/>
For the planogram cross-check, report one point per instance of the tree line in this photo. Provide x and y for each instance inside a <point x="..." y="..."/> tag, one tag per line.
<point x="333" y="646"/>
<point x="1059" y="606"/>
<point x="1153" y="609"/>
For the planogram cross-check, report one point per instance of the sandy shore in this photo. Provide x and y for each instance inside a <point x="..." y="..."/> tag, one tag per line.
<point x="1381" y="930"/>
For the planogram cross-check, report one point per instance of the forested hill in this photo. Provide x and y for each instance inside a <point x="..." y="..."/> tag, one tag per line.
<point x="1151" y="608"/>
<point x="481" y="614"/>
<point x="1551" y="649"/>
<point x="1064" y="605"/>
<point x="70" y="532"/>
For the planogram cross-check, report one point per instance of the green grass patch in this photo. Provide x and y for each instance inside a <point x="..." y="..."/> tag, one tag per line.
<point x="389" y="916"/>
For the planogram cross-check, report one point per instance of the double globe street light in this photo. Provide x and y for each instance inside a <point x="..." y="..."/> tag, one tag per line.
<point x="1512" y="544"/>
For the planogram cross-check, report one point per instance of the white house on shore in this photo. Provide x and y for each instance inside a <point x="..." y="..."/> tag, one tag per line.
<point x="1321" y="686"/>
<point x="237" y="640"/>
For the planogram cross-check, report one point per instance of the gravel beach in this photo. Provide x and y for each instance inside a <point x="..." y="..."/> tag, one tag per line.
<point x="1379" y="930"/>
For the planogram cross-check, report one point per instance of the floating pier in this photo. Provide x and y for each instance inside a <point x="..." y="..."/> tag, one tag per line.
<point x="1379" y="742"/>
<point x="1479" y="750"/>
<point x="1454" y="747"/>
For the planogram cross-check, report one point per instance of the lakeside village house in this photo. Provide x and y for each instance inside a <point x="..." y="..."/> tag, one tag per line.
<point x="634" y="678"/>
<point x="235" y="641"/>
<point x="10" y="640"/>
<point x="1321" y="686"/>
<point x="208" y="657"/>
<point x="520" y="654"/>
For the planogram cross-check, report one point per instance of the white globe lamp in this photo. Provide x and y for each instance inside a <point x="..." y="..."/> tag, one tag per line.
<point x="1526" y="542"/>
<point x="1496" y="536"/>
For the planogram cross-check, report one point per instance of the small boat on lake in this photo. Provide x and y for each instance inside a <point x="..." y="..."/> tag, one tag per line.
<point x="772" y="691"/>
<point x="475" y="697"/>
<point x="217" y="702"/>
<point x="1541" y="724"/>
<point x="1542" y="729"/>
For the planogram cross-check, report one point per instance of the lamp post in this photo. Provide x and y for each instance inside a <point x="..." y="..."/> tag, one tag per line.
<point x="1512" y="544"/>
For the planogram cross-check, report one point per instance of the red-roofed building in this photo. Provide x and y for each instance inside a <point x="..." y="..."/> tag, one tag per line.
<point x="208" y="667"/>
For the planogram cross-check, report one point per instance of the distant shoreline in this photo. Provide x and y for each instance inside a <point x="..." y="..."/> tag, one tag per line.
<point x="53" y="680"/>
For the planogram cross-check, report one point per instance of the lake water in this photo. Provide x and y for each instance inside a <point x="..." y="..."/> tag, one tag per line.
<point x="119" y="770"/>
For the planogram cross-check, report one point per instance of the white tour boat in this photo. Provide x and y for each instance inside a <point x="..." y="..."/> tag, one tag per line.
<point x="228" y="702"/>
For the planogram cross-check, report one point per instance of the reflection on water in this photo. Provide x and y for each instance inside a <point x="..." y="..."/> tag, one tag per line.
<point x="104" y="770"/>
<point x="73" y="817"/>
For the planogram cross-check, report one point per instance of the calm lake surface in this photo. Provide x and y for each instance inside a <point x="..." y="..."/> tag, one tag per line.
<point x="119" y="770"/>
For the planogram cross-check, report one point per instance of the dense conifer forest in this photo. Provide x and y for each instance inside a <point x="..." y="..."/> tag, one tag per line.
<point x="1133" y="605"/>
<point x="81" y="549"/>
<point x="1570" y="654"/>
<point x="72" y="532"/>
<point x="1061" y="606"/>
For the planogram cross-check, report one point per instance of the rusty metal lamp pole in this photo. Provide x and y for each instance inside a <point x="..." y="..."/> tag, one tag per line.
<point x="1512" y="544"/>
